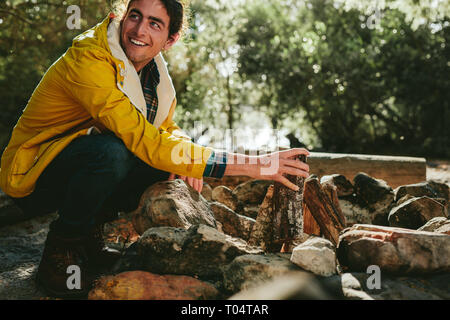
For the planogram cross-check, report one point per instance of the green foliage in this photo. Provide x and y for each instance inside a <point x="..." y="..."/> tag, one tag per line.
<point x="344" y="76"/>
<point x="380" y="90"/>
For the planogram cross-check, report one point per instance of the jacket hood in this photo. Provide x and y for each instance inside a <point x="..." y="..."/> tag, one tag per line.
<point x="106" y="35"/>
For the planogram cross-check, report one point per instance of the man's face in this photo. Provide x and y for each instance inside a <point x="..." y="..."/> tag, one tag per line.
<point x="145" y="31"/>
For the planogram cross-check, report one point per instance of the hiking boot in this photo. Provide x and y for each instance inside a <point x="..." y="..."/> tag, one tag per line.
<point x="101" y="258"/>
<point x="54" y="274"/>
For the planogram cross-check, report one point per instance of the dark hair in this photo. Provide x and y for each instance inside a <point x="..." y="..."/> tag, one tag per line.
<point x="177" y="11"/>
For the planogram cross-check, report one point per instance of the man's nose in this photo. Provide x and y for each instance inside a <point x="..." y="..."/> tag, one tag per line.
<point x="140" y="29"/>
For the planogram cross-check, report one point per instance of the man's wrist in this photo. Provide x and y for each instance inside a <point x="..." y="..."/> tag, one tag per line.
<point x="241" y="165"/>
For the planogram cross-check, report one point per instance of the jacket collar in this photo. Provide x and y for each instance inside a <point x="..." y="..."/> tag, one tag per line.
<point x="131" y="85"/>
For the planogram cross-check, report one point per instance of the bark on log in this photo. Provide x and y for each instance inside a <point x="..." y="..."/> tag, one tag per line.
<point x="325" y="211"/>
<point x="331" y="190"/>
<point x="310" y="225"/>
<point x="288" y="213"/>
<point x="262" y="231"/>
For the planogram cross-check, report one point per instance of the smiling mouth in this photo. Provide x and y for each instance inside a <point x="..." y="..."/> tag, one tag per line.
<point x="137" y="42"/>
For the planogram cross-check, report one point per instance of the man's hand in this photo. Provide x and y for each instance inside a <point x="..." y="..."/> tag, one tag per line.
<point x="270" y="166"/>
<point x="197" y="184"/>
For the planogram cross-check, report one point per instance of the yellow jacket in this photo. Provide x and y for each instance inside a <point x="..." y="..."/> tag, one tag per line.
<point x="93" y="87"/>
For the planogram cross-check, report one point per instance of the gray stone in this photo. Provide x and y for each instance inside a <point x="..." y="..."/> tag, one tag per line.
<point x="415" y="212"/>
<point x="344" y="186"/>
<point x="354" y="287"/>
<point x="431" y="189"/>
<point x="438" y="224"/>
<point x="316" y="255"/>
<point x="207" y="192"/>
<point x="225" y="195"/>
<point x="394" y="250"/>
<point x="296" y="285"/>
<point x="353" y="212"/>
<point x="172" y="203"/>
<point x="200" y="251"/>
<point x="404" y="199"/>
<point x="376" y="195"/>
<point x="247" y="271"/>
<point x="250" y="211"/>
<point x="230" y="222"/>
<point x="252" y="191"/>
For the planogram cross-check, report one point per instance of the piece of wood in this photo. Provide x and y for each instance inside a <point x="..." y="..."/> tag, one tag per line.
<point x="331" y="190"/>
<point x="261" y="234"/>
<point x="288" y="212"/>
<point x="322" y="209"/>
<point x="310" y="225"/>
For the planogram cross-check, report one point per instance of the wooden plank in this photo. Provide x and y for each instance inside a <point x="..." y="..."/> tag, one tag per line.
<point x="310" y="225"/>
<point x="395" y="170"/>
<point x="322" y="209"/>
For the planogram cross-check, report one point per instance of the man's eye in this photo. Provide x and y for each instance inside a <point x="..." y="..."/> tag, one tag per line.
<point x="155" y="25"/>
<point x="134" y="16"/>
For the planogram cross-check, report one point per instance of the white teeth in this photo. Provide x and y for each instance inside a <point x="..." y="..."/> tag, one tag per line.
<point x="136" y="42"/>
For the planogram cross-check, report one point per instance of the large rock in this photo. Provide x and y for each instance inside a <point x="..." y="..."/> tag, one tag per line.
<point x="174" y="204"/>
<point x="225" y="195"/>
<point x="140" y="285"/>
<point x="344" y="187"/>
<point x="247" y="271"/>
<point x="431" y="189"/>
<point x="353" y="212"/>
<point x="376" y="195"/>
<point x="438" y="224"/>
<point x="250" y="211"/>
<point x="394" y="250"/>
<point x="415" y="212"/>
<point x="10" y="213"/>
<point x="230" y="222"/>
<point x="316" y="255"/>
<point x="354" y="286"/>
<point x="200" y="251"/>
<point x="252" y="192"/>
<point x="207" y="191"/>
<point x="295" y="285"/>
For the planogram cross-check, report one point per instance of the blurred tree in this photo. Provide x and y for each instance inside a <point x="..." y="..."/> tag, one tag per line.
<point x="33" y="34"/>
<point x="369" y="90"/>
<point x="204" y="67"/>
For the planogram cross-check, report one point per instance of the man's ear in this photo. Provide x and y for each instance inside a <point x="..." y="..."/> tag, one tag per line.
<point x="171" y="41"/>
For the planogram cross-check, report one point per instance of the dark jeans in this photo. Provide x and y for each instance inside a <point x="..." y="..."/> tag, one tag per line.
<point x="94" y="175"/>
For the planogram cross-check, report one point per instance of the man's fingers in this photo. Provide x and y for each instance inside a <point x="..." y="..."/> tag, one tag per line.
<point x="287" y="183"/>
<point x="171" y="176"/>
<point x="295" y="152"/>
<point x="296" y="164"/>
<point x="295" y="172"/>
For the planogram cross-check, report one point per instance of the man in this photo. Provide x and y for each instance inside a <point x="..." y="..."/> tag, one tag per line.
<point x="98" y="130"/>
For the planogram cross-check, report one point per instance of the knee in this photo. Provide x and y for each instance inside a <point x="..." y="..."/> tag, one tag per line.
<point x="114" y="157"/>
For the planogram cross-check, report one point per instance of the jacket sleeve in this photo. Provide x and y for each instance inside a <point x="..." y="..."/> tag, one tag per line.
<point x="170" y="126"/>
<point x="90" y="79"/>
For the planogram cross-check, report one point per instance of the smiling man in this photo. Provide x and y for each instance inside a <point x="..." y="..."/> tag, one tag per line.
<point x="98" y="130"/>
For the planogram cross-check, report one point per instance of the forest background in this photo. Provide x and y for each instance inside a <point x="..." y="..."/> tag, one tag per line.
<point x="368" y="77"/>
